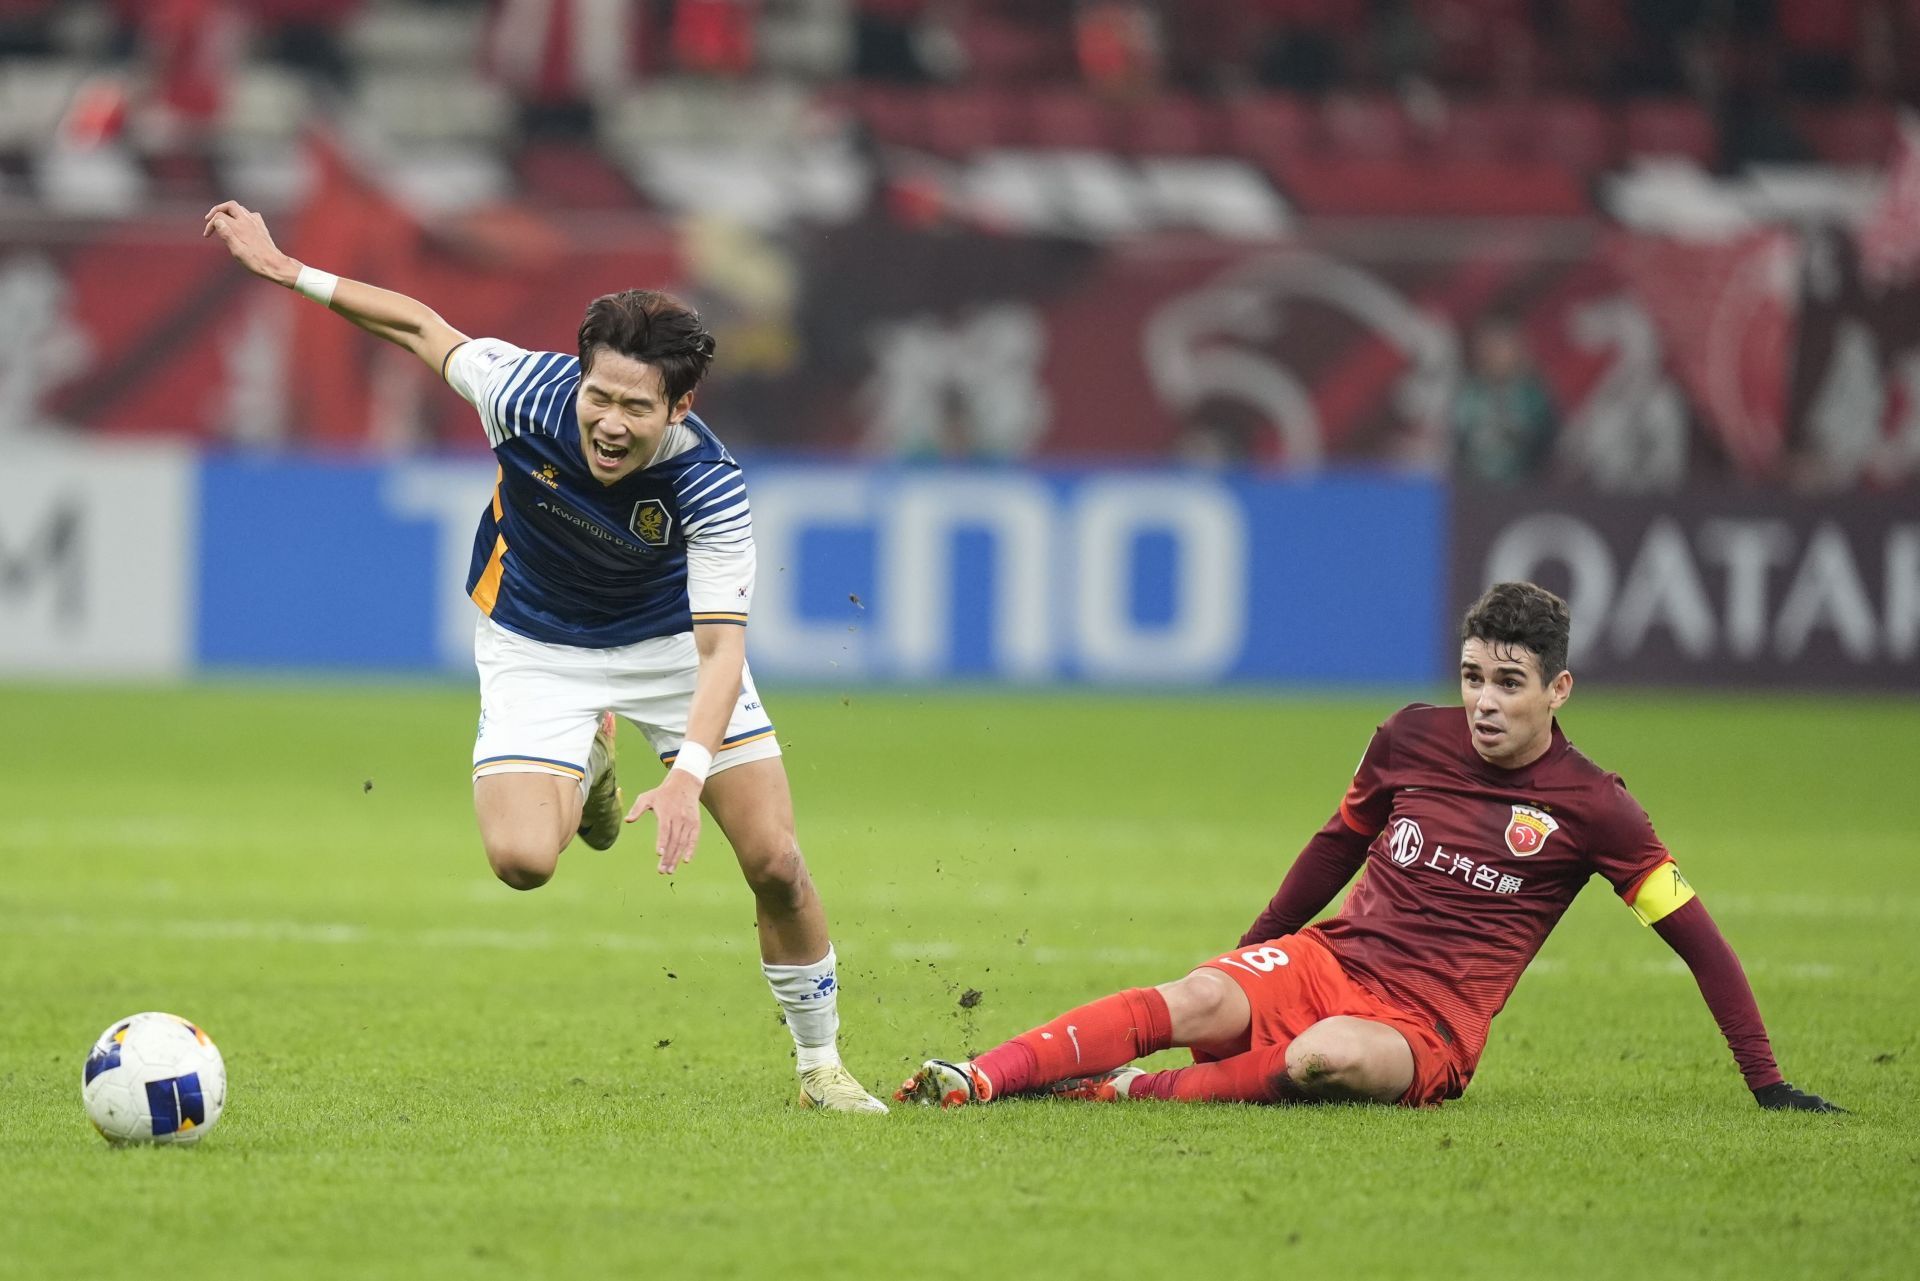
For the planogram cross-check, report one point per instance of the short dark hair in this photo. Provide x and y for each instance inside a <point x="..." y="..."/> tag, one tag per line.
<point x="1522" y="614"/>
<point x="654" y="328"/>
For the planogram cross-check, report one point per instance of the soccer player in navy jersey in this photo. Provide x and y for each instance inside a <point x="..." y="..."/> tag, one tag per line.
<point x="1471" y="835"/>
<point x="613" y="571"/>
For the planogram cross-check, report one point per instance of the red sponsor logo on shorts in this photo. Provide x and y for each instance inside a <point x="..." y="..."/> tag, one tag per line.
<point x="1528" y="830"/>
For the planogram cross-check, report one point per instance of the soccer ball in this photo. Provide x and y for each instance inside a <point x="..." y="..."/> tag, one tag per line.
<point x="153" y="1078"/>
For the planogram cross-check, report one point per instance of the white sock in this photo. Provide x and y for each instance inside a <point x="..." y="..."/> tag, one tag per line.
<point x="809" y="996"/>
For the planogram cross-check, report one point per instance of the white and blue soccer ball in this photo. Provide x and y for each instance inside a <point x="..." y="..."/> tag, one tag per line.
<point x="154" y="1078"/>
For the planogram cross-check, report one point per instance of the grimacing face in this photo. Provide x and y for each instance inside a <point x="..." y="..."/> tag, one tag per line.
<point x="1510" y="703"/>
<point x="623" y="415"/>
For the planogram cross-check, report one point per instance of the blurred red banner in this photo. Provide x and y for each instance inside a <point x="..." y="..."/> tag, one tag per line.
<point x="1526" y="350"/>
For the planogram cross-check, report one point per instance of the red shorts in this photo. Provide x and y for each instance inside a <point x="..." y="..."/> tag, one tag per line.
<point x="1294" y="982"/>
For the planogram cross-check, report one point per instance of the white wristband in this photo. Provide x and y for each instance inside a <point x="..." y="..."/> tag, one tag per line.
<point x="695" y="760"/>
<point x="317" y="285"/>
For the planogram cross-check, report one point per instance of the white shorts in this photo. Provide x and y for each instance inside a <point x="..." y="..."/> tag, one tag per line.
<point x="539" y="703"/>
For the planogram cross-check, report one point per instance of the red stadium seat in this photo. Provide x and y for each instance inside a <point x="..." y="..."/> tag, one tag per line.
<point x="1069" y="118"/>
<point x="1328" y="185"/>
<point x="1859" y="135"/>
<point x="1479" y="131"/>
<point x="892" y="114"/>
<point x="1571" y="132"/>
<point x="1272" y="129"/>
<point x="1174" y="125"/>
<point x="574" y="176"/>
<point x="961" y="121"/>
<point x="1366" y="128"/>
<point x="1672" y="128"/>
<point x="1009" y="47"/>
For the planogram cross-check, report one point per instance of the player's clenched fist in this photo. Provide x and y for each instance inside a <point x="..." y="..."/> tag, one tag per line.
<point x="245" y="235"/>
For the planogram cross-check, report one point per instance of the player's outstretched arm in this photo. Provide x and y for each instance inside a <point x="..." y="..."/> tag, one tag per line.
<point x="403" y="321"/>
<point x="1692" y="934"/>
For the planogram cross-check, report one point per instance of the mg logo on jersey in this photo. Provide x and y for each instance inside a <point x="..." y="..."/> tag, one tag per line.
<point x="650" y="522"/>
<point x="1529" y="830"/>
<point x="1405" y="841"/>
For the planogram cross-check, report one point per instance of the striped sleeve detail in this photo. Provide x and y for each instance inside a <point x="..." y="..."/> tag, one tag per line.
<point x="523" y="399"/>
<point x="713" y="503"/>
<point x="719" y="531"/>
<point x="475" y="367"/>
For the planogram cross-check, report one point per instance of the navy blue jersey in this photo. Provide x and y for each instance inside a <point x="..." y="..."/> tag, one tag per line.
<point x="561" y="557"/>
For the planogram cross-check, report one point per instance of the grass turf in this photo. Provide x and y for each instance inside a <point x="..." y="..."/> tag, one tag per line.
<point x="432" y="1075"/>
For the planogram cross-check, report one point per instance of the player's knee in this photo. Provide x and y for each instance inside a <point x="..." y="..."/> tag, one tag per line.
<point x="1199" y="999"/>
<point x="1204" y="1007"/>
<point x="523" y="878"/>
<point x="521" y="819"/>
<point x="1338" y="1059"/>
<point x="1321" y="1071"/>
<point x="776" y="872"/>
<point x="520" y="867"/>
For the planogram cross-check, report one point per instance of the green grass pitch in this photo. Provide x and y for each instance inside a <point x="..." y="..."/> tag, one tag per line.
<point x="432" y="1075"/>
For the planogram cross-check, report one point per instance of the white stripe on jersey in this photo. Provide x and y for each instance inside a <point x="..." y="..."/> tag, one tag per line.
<point x="713" y="488"/>
<point x="715" y="502"/>
<point x="543" y="401"/>
<point x="719" y="530"/>
<point x="720" y="518"/>
<point x="717" y="527"/>
<point x="494" y="414"/>
<point x="472" y="365"/>
<point x="703" y="488"/>
<point x="527" y="397"/>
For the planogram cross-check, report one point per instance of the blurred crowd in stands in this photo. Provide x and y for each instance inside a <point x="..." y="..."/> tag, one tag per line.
<point x="962" y="177"/>
<point x="1744" y="64"/>
<point x="1822" y="49"/>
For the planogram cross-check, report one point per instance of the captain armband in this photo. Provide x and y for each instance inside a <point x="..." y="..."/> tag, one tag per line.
<point x="1662" y="893"/>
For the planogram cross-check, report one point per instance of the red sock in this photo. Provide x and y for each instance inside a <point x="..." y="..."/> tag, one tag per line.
<point x="1111" y="1031"/>
<point x="1258" y="1076"/>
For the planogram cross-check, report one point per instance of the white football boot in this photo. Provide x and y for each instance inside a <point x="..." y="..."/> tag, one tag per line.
<point x="831" y="1088"/>
<point x="600" y="815"/>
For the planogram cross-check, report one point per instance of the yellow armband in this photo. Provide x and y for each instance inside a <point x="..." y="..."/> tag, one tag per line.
<point x="1663" y="892"/>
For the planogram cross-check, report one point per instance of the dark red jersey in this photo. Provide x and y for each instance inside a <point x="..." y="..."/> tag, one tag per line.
<point x="1471" y="866"/>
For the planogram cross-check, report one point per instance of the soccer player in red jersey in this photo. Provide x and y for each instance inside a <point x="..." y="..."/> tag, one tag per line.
<point x="1472" y="835"/>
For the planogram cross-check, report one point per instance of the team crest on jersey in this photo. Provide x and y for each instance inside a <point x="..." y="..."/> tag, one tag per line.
<point x="547" y="474"/>
<point x="650" y="523"/>
<point x="1529" y="829"/>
